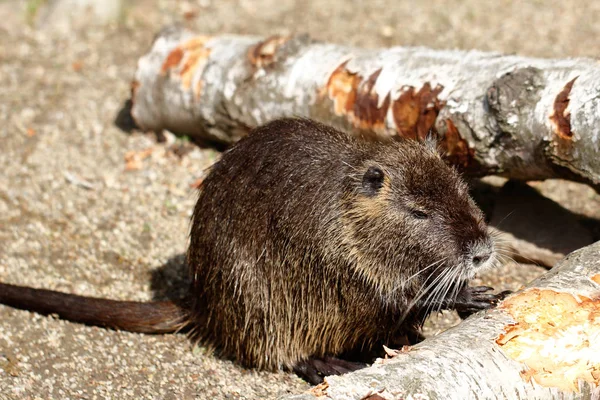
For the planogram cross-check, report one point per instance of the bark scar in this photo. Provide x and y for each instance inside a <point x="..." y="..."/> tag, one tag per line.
<point x="341" y="89"/>
<point x="187" y="61"/>
<point x="415" y="112"/>
<point x="173" y="59"/>
<point x="320" y="390"/>
<point x="366" y="112"/>
<point x="561" y="117"/>
<point x="555" y="337"/>
<point x="356" y="98"/>
<point x="456" y="149"/>
<point x="264" y="53"/>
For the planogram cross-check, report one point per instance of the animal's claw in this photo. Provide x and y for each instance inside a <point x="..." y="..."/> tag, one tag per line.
<point x="473" y="299"/>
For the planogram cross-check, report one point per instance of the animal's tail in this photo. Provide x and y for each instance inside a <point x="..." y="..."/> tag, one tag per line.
<point x="150" y="317"/>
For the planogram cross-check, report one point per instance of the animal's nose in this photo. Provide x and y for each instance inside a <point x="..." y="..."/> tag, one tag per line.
<point x="481" y="257"/>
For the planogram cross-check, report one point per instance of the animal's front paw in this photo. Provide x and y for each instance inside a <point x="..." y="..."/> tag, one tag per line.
<point x="477" y="298"/>
<point x="314" y="370"/>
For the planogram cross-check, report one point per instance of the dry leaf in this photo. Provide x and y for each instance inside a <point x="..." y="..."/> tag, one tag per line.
<point x="77" y="65"/>
<point x="391" y="352"/>
<point x="133" y="159"/>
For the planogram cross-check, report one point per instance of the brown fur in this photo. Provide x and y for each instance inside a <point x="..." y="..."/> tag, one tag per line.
<point x="306" y="261"/>
<point x="298" y="252"/>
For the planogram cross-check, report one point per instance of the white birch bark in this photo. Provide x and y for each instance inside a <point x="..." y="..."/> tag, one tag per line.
<point x="519" y="117"/>
<point x="494" y="355"/>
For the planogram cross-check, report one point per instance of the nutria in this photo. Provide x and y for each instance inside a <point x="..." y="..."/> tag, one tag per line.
<point x="308" y="244"/>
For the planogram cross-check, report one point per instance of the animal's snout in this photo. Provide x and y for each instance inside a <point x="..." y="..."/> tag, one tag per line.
<point x="480" y="254"/>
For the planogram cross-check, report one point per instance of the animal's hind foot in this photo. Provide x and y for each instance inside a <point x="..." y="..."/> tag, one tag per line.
<point x="314" y="370"/>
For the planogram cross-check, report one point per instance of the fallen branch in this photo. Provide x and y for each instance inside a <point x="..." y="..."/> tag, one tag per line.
<point x="519" y="117"/>
<point x="540" y="343"/>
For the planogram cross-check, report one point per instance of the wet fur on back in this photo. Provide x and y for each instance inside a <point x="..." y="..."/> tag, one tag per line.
<point x="309" y="259"/>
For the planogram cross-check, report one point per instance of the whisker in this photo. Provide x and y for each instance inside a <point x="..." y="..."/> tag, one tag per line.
<point x="451" y="285"/>
<point x="407" y="281"/>
<point x="504" y="244"/>
<point x="455" y="292"/>
<point x="502" y="220"/>
<point x="507" y="257"/>
<point x="434" y="295"/>
<point x="425" y="269"/>
<point x="506" y="252"/>
<point x="448" y="285"/>
<point x="423" y="292"/>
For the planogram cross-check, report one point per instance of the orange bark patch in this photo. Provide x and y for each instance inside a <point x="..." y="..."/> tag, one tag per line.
<point x="560" y="117"/>
<point x="596" y="278"/>
<point x="367" y="113"/>
<point x="356" y="98"/>
<point x="186" y="60"/>
<point x="415" y="112"/>
<point x="320" y="390"/>
<point x="341" y="88"/>
<point x="556" y="336"/>
<point x="456" y="149"/>
<point x="173" y="59"/>
<point x="264" y="53"/>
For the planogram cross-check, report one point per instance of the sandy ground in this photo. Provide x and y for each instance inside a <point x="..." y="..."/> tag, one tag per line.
<point x="73" y="218"/>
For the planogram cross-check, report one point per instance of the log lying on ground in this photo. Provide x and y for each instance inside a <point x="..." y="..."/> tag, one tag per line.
<point x="518" y="117"/>
<point x="540" y="343"/>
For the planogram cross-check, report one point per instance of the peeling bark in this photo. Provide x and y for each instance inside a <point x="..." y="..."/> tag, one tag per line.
<point x="540" y="343"/>
<point x="523" y="118"/>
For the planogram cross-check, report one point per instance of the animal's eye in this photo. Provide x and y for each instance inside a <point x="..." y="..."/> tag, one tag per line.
<point x="373" y="180"/>
<point x="418" y="214"/>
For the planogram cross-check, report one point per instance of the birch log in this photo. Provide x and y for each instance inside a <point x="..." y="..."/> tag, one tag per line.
<point x="540" y="343"/>
<point x="523" y="118"/>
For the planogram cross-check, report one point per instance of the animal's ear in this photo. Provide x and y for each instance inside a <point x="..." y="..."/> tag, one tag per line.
<point x="373" y="180"/>
<point x="431" y="141"/>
